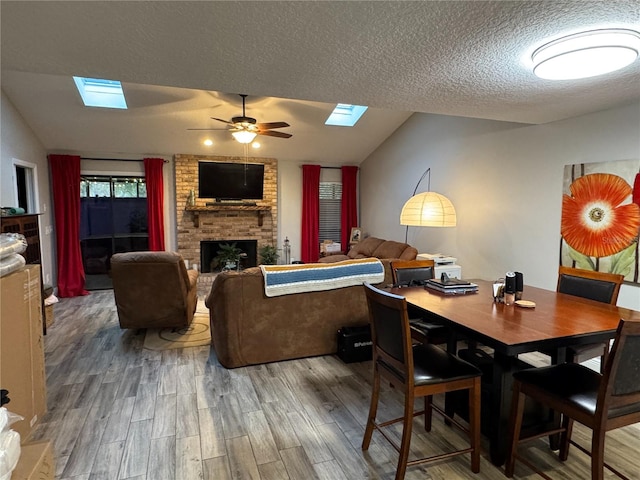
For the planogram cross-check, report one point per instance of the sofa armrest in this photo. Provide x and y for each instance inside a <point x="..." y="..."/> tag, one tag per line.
<point x="333" y="258"/>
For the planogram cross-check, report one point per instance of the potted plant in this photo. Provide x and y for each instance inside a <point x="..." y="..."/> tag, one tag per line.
<point x="268" y="255"/>
<point x="228" y="256"/>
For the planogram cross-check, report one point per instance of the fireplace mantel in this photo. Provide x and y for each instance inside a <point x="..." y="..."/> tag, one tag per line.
<point x="196" y="211"/>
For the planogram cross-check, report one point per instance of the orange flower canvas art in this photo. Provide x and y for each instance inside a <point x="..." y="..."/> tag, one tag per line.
<point x="601" y="218"/>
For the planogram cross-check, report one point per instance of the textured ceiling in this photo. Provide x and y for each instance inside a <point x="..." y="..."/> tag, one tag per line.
<point x="449" y="57"/>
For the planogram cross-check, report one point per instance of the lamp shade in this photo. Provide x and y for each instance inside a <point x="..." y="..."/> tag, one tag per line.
<point x="244" y="136"/>
<point x="428" y="209"/>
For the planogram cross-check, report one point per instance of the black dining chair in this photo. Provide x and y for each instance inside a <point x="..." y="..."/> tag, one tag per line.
<point x="408" y="273"/>
<point x="421" y="370"/>
<point x="599" y="286"/>
<point x="601" y="402"/>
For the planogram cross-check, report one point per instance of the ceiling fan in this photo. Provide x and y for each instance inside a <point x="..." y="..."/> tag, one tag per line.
<point x="244" y="129"/>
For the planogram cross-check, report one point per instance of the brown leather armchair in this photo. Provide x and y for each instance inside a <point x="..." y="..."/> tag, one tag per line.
<point x="153" y="289"/>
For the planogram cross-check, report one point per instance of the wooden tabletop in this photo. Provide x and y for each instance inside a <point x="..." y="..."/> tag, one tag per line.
<point x="557" y="320"/>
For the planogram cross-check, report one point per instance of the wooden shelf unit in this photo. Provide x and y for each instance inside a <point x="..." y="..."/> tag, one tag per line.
<point x="27" y="225"/>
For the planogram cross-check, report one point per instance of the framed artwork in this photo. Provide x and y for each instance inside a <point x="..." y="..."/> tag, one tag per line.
<point x="600" y="222"/>
<point x="356" y="235"/>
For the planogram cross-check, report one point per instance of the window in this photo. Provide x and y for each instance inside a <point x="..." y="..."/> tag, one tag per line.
<point x="330" y="206"/>
<point x="98" y="92"/>
<point x="123" y="187"/>
<point x="345" y="115"/>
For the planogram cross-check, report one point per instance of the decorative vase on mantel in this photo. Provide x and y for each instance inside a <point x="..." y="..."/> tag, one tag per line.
<point x="191" y="199"/>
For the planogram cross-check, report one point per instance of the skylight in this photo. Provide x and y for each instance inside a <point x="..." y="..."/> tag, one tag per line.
<point x="97" y="92"/>
<point x="345" y="115"/>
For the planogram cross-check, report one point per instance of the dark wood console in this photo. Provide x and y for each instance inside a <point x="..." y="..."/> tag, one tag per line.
<point x="27" y="225"/>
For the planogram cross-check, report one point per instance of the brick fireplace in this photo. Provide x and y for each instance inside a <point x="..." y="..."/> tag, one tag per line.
<point x="203" y="223"/>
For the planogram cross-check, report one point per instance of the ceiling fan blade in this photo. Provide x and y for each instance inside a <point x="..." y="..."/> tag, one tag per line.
<point x="207" y="128"/>
<point x="270" y="125"/>
<point x="221" y="120"/>
<point x="273" y="133"/>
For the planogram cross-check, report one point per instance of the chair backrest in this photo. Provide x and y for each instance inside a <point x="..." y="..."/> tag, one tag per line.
<point x="390" y="332"/>
<point x="151" y="289"/>
<point x="599" y="286"/>
<point x="411" y="272"/>
<point x="620" y="389"/>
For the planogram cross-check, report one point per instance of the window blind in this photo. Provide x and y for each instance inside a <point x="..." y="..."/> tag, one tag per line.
<point x="330" y="199"/>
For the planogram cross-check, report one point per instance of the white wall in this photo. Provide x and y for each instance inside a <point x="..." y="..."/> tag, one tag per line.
<point x="19" y="142"/>
<point x="505" y="181"/>
<point x="290" y="206"/>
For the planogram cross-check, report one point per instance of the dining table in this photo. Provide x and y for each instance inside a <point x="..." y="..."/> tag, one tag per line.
<point x="548" y="321"/>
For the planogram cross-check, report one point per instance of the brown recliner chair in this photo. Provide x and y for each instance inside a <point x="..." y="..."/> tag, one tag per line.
<point x="153" y="289"/>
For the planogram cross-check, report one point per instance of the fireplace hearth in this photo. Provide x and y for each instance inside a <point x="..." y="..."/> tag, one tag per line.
<point x="209" y="251"/>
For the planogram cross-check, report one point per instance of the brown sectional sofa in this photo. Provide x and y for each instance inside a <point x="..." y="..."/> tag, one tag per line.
<point x="378" y="248"/>
<point x="248" y="328"/>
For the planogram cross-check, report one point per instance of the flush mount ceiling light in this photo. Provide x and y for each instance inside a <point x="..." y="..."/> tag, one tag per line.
<point x="586" y="54"/>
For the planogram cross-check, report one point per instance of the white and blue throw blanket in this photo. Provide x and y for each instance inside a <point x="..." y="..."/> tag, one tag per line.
<point x="313" y="277"/>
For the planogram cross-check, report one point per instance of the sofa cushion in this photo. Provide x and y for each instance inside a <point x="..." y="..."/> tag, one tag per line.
<point x="365" y="248"/>
<point x="390" y="249"/>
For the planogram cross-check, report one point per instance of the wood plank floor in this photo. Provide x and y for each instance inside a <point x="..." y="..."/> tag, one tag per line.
<point x="118" y="411"/>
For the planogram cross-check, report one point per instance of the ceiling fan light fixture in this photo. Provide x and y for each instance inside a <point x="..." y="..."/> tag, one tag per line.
<point x="586" y="54"/>
<point x="244" y="136"/>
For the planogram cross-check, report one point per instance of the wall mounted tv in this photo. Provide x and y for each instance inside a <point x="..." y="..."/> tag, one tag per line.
<point x="230" y="181"/>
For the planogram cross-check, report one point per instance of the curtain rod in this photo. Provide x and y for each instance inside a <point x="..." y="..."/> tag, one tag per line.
<point x="118" y="159"/>
<point x="329" y="168"/>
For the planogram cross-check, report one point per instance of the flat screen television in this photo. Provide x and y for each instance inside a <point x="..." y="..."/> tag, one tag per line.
<point x="230" y="181"/>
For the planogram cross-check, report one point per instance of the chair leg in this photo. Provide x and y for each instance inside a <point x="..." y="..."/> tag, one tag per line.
<point x="565" y="438"/>
<point x="604" y="358"/>
<point x="474" y="424"/>
<point x="407" y="425"/>
<point x="428" y="411"/>
<point x="373" y="409"/>
<point x="597" y="453"/>
<point x="515" y="425"/>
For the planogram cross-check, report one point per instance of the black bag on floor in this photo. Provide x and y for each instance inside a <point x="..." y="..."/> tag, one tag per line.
<point x="354" y="344"/>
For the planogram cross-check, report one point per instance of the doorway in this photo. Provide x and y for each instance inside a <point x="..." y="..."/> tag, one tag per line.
<point x="113" y="219"/>
<point x="25" y="177"/>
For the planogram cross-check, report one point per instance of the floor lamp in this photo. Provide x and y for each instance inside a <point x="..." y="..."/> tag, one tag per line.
<point x="428" y="209"/>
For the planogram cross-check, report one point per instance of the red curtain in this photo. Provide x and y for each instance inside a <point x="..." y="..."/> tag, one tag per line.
<point x="65" y="180"/>
<point x="155" y="202"/>
<point x="310" y="243"/>
<point x="349" y="204"/>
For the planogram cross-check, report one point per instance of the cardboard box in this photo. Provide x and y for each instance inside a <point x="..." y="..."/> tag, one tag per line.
<point x="334" y="247"/>
<point x="36" y="463"/>
<point x="329" y="246"/>
<point x="48" y="315"/>
<point x="22" y="369"/>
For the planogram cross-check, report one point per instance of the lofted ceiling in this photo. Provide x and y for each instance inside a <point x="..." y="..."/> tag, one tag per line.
<point x="295" y="60"/>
